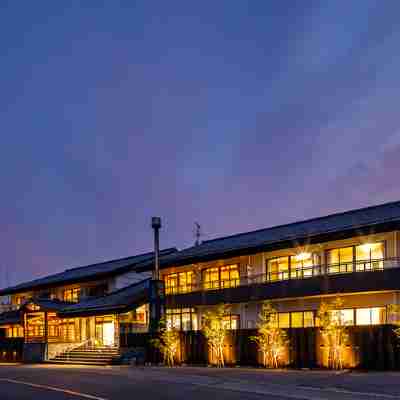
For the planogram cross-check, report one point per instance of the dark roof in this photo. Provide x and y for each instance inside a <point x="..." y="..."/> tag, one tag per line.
<point x="121" y="300"/>
<point x="10" y="317"/>
<point x="47" y="304"/>
<point x="364" y="220"/>
<point x="90" y="272"/>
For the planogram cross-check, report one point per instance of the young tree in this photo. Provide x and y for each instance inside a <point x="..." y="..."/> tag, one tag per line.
<point x="214" y="327"/>
<point x="167" y="342"/>
<point x="334" y="330"/>
<point x="394" y="315"/>
<point x="270" y="339"/>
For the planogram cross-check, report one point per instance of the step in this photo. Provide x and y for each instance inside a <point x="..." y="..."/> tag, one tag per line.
<point x="82" y="353"/>
<point x="107" y="361"/>
<point x="82" y="356"/>
<point x="76" y="362"/>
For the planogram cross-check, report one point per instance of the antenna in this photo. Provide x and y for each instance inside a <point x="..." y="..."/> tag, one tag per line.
<point x="197" y="233"/>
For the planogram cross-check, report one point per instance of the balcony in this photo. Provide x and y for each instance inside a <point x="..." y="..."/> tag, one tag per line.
<point x="379" y="274"/>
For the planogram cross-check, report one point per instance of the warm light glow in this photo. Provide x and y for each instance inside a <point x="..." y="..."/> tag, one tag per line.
<point x="108" y="334"/>
<point x="302" y="256"/>
<point x="367" y="247"/>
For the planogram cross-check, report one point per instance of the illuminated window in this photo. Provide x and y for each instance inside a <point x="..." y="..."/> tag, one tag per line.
<point x="369" y="256"/>
<point x="72" y="295"/>
<point x="182" y="319"/>
<point x="302" y="265"/>
<point x="297" y="320"/>
<point x="340" y="260"/>
<point x="232" y="321"/>
<point x="181" y="282"/>
<point x="278" y="269"/>
<point x="229" y="276"/>
<point x="308" y="319"/>
<point x="371" y="316"/>
<point x="221" y="277"/>
<point x="15" y="331"/>
<point x="343" y="317"/>
<point x="67" y="330"/>
<point x="284" y="320"/>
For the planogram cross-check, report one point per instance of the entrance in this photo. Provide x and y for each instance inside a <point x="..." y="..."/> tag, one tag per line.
<point x="105" y="331"/>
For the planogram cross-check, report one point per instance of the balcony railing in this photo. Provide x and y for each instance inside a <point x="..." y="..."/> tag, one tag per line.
<point x="293" y="274"/>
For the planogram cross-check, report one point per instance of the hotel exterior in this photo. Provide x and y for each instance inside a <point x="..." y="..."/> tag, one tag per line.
<point x="352" y="255"/>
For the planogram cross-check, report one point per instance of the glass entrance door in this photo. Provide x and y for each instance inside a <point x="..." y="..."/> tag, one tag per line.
<point x="105" y="331"/>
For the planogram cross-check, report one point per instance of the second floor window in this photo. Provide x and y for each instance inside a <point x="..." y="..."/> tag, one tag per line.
<point x="72" y="295"/>
<point x="278" y="269"/>
<point x="363" y="257"/>
<point x="221" y="277"/>
<point x="180" y="282"/>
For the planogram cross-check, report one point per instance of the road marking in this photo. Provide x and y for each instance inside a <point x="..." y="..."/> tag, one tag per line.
<point x="53" y="388"/>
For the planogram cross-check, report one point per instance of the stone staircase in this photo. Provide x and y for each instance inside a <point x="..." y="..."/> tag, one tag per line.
<point x="99" y="355"/>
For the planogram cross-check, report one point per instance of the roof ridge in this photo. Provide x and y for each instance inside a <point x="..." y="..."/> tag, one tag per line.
<point x="302" y="221"/>
<point x="149" y="254"/>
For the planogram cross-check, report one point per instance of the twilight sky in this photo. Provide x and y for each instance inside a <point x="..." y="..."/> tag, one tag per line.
<point x="236" y="114"/>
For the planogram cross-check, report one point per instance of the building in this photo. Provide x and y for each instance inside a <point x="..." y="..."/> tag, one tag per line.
<point x="354" y="255"/>
<point x="88" y="306"/>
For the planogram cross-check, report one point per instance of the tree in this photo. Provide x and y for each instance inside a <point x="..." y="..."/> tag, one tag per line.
<point x="334" y="330"/>
<point x="167" y="342"/>
<point x="271" y="340"/>
<point x="214" y="327"/>
<point x="394" y="315"/>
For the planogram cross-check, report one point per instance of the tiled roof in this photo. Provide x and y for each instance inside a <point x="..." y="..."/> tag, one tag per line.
<point x="359" y="219"/>
<point x="90" y="272"/>
<point x="10" y="317"/>
<point x="132" y="296"/>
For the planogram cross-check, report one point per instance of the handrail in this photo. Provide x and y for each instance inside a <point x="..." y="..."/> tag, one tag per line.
<point x="356" y="266"/>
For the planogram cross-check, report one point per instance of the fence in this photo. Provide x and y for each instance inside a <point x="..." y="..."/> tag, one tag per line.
<point x="370" y="347"/>
<point x="11" y="349"/>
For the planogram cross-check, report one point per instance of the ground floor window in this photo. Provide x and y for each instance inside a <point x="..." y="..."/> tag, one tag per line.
<point x="14" y="331"/>
<point x="182" y="319"/>
<point x="232" y="321"/>
<point x="295" y="319"/>
<point x="67" y="330"/>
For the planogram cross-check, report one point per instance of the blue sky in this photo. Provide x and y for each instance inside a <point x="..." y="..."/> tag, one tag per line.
<point x="238" y="115"/>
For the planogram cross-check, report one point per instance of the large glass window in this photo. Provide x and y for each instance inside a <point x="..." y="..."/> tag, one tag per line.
<point x="180" y="282"/>
<point x="15" y="331"/>
<point x="369" y="256"/>
<point x="294" y="319"/>
<point x="182" y="319"/>
<point x="340" y="260"/>
<point x="278" y="269"/>
<point x="221" y="277"/>
<point x="371" y="316"/>
<point x="72" y="295"/>
<point x="232" y="321"/>
<point x="304" y="265"/>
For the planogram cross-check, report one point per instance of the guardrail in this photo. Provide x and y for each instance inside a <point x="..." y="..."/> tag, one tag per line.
<point x="371" y="265"/>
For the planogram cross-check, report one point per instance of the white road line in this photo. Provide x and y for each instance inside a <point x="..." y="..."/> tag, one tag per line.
<point x="53" y="388"/>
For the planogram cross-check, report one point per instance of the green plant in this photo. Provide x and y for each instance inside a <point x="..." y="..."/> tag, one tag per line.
<point x="394" y="316"/>
<point x="214" y="327"/>
<point x="271" y="340"/>
<point x="167" y="342"/>
<point x="334" y="330"/>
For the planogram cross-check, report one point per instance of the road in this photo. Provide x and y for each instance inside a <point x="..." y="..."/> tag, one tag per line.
<point x="20" y="382"/>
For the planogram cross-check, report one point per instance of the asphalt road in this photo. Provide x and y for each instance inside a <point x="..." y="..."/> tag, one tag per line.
<point x="102" y="383"/>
